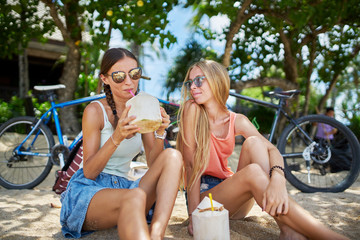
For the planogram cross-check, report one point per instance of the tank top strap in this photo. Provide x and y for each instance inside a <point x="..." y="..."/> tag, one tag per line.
<point x="232" y="121"/>
<point x="104" y="112"/>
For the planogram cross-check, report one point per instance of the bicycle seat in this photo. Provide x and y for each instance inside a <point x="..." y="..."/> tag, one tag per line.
<point x="283" y="94"/>
<point x="49" y="87"/>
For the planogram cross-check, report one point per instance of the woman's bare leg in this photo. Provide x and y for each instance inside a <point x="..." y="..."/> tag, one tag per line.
<point x="123" y="208"/>
<point x="254" y="151"/>
<point x="253" y="182"/>
<point x="161" y="183"/>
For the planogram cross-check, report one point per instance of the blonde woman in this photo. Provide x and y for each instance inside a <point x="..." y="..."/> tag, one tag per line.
<point x="207" y="139"/>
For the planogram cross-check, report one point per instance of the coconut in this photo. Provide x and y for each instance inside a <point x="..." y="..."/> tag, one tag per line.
<point x="146" y="108"/>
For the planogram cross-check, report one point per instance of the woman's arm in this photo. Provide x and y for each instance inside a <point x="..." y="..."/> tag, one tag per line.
<point x="96" y="158"/>
<point x="244" y="127"/>
<point x="154" y="146"/>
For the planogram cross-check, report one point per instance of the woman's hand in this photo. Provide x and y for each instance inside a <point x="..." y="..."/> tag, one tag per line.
<point x="165" y="120"/>
<point x="124" y="129"/>
<point x="275" y="198"/>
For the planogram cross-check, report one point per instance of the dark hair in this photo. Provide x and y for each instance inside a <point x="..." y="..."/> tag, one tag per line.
<point x="328" y="109"/>
<point x="112" y="56"/>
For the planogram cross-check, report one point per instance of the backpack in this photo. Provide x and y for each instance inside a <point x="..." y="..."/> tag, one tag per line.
<point x="72" y="164"/>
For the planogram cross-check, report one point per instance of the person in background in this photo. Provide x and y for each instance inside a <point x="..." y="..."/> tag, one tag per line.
<point x="325" y="131"/>
<point x="100" y="195"/>
<point x="207" y="139"/>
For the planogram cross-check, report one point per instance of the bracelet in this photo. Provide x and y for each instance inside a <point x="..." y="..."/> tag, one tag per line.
<point x="276" y="166"/>
<point x="160" y="136"/>
<point x="114" y="141"/>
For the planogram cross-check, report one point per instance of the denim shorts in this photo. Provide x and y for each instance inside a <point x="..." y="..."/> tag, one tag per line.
<point x="76" y="199"/>
<point x="207" y="182"/>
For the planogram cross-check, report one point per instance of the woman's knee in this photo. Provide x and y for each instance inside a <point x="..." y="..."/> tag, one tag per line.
<point x="134" y="201"/>
<point x="253" y="141"/>
<point x="173" y="158"/>
<point x="137" y="196"/>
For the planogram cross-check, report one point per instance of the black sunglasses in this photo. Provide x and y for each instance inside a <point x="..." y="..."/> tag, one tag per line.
<point x="134" y="74"/>
<point x="197" y="80"/>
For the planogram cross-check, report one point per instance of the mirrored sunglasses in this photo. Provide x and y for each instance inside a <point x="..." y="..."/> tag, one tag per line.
<point x="119" y="76"/>
<point x="198" y="81"/>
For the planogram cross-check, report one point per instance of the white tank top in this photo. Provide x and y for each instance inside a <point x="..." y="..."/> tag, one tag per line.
<point x="119" y="162"/>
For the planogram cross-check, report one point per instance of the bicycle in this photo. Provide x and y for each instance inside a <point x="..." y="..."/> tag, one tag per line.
<point x="313" y="164"/>
<point x="27" y="146"/>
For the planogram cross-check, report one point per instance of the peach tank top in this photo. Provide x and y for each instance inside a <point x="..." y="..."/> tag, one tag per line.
<point x="220" y="151"/>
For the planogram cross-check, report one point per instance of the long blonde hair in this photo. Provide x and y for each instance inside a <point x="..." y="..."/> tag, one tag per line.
<point x="219" y="82"/>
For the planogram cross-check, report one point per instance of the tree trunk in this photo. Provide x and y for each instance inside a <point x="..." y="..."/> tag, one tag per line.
<point x="264" y="81"/>
<point x="290" y="65"/>
<point x="234" y="28"/>
<point x="23" y="74"/>
<point x="70" y="29"/>
<point x="68" y="117"/>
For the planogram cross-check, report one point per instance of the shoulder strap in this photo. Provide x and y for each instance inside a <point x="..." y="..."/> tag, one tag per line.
<point x="104" y="112"/>
<point x="232" y="120"/>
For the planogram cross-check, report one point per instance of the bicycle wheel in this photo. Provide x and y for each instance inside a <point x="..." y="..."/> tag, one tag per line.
<point x="24" y="171"/>
<point x="317" y="164"/>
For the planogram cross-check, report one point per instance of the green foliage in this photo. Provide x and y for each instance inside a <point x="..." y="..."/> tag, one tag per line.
<point x="259" y="49"/>
<point x="87" y="85"/>
<point x="40" y="107"/>
<point x="355" y="126"/>
<point x="138" y="21"/>
<point x="256" y="92"/>
<point x="5" y="112"/>
<point x="280" y="35"/>
<point x="14" y="108"/>
<point x="264" y="117"/>
<point x="20" y="23"/>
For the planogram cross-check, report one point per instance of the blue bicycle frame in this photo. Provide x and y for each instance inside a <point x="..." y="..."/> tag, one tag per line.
<point x="52" y="113"/>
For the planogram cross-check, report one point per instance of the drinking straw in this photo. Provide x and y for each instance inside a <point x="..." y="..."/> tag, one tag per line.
<point x="211" y="202"/>
<point x="132" y="93"/>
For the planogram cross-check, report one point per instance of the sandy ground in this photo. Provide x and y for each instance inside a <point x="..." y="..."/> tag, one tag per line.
<point x="26" y="214"/>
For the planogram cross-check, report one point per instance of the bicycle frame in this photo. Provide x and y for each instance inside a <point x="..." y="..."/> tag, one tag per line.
<point x="53" y="114"/>
<point x="169" y="103"/>
<point x="279" y="109"/>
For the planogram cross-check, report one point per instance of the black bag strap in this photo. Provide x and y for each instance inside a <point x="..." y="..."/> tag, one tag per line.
<point x="72" y="155"/>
